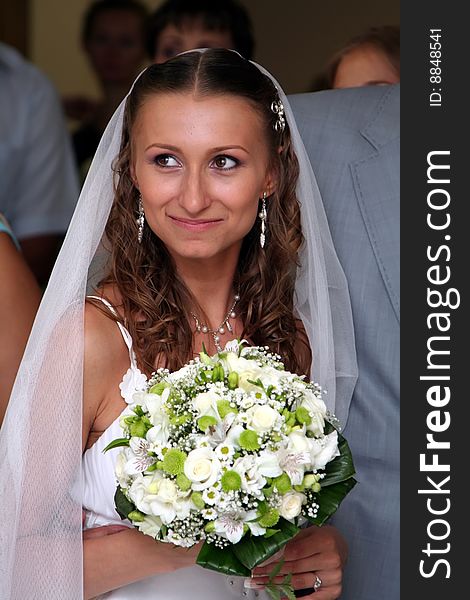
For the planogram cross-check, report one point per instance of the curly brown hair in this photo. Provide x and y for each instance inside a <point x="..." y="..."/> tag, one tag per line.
<point x="156" y="303"/>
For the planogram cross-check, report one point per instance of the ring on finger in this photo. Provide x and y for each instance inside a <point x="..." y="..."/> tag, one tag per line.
<point x="317" y="583"/>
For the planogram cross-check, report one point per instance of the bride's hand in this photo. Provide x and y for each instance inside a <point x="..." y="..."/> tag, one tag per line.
<point x="316" y="554"/>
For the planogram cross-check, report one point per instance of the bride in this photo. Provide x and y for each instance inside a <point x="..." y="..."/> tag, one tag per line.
<point x="202" y="235"/>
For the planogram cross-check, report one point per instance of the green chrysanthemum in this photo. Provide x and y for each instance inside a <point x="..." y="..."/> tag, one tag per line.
<point x="138" y="429"/>
<point x="198" y="501"/>
<point x="224" y="408"/>
<point x="173" y="461"/>
<point x="183" y="482"/>
<point x="158" y="388"/>
<point x="205" y="422"/>
<point x="248" y="440"/>
<point x="302" y="415"/>
<point x="282" y="483"/>
<point x="269" y="519"/>
<point x="231" y="480"/>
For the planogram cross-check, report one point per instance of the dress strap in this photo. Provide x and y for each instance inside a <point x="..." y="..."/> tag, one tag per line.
<point x="125" y="334"/>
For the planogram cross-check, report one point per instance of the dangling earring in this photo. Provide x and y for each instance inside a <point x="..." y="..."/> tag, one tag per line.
<point x="262" y="215"/>
<point x="140" y="220"/>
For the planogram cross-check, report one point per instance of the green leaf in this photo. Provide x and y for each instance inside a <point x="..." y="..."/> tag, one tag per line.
<point x="117" y="444"/>
<point x="277" y="569"/>
<point x="329" y="498"/>
<point x="123" y="505"/>
<point x="221" y="560"/>
<point x="287" y="590"/>
<point x="342" y="467"/>
<point x="273" y="592"/>
<point x="270" y="532"/>
<point x="258" y="383"/>
<point x="251" y="551"/>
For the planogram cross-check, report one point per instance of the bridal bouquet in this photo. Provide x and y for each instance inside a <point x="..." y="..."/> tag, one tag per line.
<point x="232" y="450"/>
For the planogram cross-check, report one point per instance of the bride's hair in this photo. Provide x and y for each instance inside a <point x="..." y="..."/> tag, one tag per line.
<point x="156" y="303"/>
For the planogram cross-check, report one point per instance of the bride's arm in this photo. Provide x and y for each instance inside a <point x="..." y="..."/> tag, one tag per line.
<point x="111" y="561"/>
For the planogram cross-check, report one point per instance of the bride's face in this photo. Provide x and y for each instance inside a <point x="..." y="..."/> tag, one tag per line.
<point x="201" y="165"/>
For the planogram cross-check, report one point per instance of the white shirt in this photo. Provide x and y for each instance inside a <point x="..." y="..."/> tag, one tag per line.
<point x="38" y="179"/>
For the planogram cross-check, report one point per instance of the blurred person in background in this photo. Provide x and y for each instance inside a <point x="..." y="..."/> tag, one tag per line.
<point x="39" y="186"/>
<point x="181" y="25"/>
<point x="19" y="300"/>
<point x="371" y="58"/>
<point x="353" y="140"/>
<point x="113" y="34"/>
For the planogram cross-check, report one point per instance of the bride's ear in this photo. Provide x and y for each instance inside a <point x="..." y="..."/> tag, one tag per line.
<point x="270" y="182"/>
<point x="133" y="177"/>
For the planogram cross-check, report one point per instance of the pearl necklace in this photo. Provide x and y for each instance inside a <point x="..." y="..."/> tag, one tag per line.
<point x="202" y="328"/>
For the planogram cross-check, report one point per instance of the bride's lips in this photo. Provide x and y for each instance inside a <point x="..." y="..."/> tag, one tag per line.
<point x="195" y="224"/>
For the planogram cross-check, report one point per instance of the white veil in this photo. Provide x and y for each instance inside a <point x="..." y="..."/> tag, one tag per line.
<point x="40" y="441"/>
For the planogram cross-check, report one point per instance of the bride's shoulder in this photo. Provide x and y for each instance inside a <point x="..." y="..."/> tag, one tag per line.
<point x="103" y="341"/>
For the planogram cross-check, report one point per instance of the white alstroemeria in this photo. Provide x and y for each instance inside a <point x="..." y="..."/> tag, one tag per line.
<point x="317" y="411"/>
<point x="206" y="404"/>
<point x="217" y="433"/>
<point x="202" y="468"/>
<point x="134" y="380"/>
<point x="233" y="435"/>
<point x="268" y="464"/>
<point x="224" y="451"/>
<point x="293" y="463"/>
<point x="297" y="441"/>
<point x="262" y="418"/>
<point x="138" y="459"/>
<point x="291" y="505"/>
<point x="252" y="480"/>
<point x="150" y="525"/>
<point x="256" y="528"/>
<point x="230" y="525"/>
<point x="250" y="520"/>
<point x="324" y="449"/>
<point x="211" y="496"/>
<point x="232" y="346"/>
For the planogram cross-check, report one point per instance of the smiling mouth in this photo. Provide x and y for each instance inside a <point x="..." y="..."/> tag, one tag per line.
<point x="195" y="224"/>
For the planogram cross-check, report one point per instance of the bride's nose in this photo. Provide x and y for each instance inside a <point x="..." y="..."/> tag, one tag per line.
<point x="194" y="194"/>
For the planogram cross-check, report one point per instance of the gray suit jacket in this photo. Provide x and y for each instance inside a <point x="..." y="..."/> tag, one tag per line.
<point x="352" y="137"/>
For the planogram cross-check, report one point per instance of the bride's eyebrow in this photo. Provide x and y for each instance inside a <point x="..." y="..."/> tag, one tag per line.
<point x="164" y="147"/>
<point x="229" y="147"/>
<point x="212" y="150"/>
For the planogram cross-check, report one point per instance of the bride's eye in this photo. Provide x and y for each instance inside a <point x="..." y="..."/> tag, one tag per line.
<point x="166" y="160"/>
<point x="225" y="163"/>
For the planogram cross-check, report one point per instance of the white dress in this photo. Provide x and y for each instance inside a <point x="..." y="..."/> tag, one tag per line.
<point x="99" y="486"/>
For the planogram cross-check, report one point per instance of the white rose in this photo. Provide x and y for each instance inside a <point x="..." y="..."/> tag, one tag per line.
<point x="263" y="418"/>
<point x="323" y="450"/>
<point x="291" y="505"/>
<point x="202" y="468"/>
